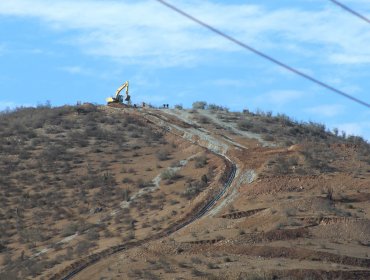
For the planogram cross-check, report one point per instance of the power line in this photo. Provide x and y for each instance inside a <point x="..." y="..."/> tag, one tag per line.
<point x="348" y="9"/>
<point x="263" y="55"/>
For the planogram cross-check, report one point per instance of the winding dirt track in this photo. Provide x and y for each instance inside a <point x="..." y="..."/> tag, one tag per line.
<point x="229" y="175"/>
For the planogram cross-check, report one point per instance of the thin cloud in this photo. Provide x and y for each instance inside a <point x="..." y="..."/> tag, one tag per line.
<point x="228" y="83"/>
<point x="6" y="105"/>
<point x="326" y="110"/>
<point x="9" y="105"/>
<point x="350" y="59"/>
<point x="280" y="97"/>
<point x="143" y="32"/>
<point x="355" y="128"/>
<point x="76" y="70"/>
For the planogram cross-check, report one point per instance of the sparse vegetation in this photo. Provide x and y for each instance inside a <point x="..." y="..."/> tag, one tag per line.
<point x="65" y="167"/>
<point x="94" y="171"/>
<point x="215" y="107"/>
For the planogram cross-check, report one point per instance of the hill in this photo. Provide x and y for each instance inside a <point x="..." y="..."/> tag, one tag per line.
<point x="164" y="194"/>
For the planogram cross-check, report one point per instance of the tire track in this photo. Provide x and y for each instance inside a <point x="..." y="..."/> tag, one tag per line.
<point x="77" y="267"/>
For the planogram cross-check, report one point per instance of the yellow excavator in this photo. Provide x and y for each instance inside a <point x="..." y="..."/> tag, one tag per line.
<point x="118" y="98"/>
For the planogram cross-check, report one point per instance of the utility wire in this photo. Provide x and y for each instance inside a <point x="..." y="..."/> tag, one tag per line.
<point x="348" y="9"/>
<point x="263" y="55"/>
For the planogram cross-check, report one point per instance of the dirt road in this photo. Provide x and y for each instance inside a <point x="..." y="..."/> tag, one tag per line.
<point x="182" y="127"/>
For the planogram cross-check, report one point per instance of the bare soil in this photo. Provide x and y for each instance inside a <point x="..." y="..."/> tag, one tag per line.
<point x="298" y="207"/>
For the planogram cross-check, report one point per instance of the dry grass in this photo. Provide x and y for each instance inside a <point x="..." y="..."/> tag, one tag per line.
<point x="64" y="170"/>
<point x="68" y="170"/>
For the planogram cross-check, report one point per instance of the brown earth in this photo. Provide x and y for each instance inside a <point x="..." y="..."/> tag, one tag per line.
<point x="297" y="209"/>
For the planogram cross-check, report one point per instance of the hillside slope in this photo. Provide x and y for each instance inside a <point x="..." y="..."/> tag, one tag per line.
<point x="78" y="180"/>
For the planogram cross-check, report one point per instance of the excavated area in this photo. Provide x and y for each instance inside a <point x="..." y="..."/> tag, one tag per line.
<point x="210" y="200"/>
<point x="272" y="222"/>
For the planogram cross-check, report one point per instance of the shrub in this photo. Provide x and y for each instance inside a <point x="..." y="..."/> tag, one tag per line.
<point x="197" y="273"/>
<point x="215" y="107"/>
<point x="201" y="161"/>
<point x="329" y="192"/>
<point x="268" y="137"/>
<point x="199" y="105"/>
<point x="280" y="166"/>
<point x="203" y="119"/>
<point x="284" y="119"/>
<point x="170" y="174"/>
<point x="193" y="189"/>
<point x="83" y="246"/>
<point x="93" y="234"/>
<point x="53" y="152"/>
<point x="143" y="184"/>
<point x="78" y="138"/>
<point x="162" y="155"/>
<point x="127" y="180"/>
<point x="245" y="125"/>
<point x="69" y="230"/>
<point x="212" y="265"/>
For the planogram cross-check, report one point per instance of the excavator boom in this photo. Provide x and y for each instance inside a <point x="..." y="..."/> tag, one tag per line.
<point x="125" y="85"/>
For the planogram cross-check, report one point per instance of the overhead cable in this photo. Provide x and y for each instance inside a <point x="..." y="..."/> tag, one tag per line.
<point x="263" y="55"/>
<point x="348" y="9"/>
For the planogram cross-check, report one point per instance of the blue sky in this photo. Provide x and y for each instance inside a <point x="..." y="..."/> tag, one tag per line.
<point x="67" y="51"/>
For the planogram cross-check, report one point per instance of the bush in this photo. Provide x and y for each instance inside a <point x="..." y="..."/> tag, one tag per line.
<point x="144" y="184"/>
<point x="193" y="189"/>
<point x="162" y="155"/>
<point x="268" y="137"/>
<point x="215" y="107"/>
<point x="199" y="105"/>
<point x="170" y="175"/>
<point x="203" y="119"/>
<point x="69" y="230"/>
<point x="78" y="138"/>
<point x="93" y="234"/>
<point x="282" y="165"/>
<point x="284" y="119"/>
<point x="245" y="125"/>
<point x="201" y="161"/>
<point x="83" y="247"/>
<point x="54" y="152"/>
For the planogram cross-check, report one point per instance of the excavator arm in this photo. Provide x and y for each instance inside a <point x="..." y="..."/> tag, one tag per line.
<point x="125" y="85"/>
